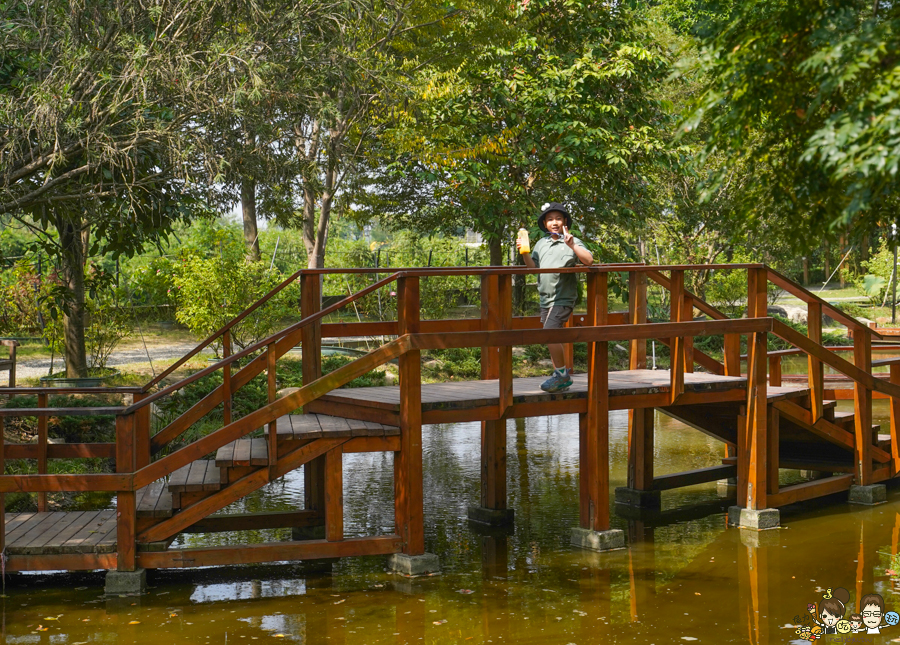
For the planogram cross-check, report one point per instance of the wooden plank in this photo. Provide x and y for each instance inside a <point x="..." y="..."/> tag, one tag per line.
<point x="372" y="444"/>
<point x="44" y="522"/>
<point x="62" y="540"/>
<point x="810" y="490"/>
<point x="822" y="428"/>
<point x="254" y="521"/>
<point x="640" y="448"/>
<point x="226" y="379"/>
<point x="595" y="425"/>
<point x="334" y="426"/>
<point x="693" y="477"/>
<point x="772" y="446"/>
<point x="51" y="538"/>
<point x="862" y="406"/>
<point x="493" y="464"/>
<point x="196" y="477"/>
<point x="272" y="552"/>
<point x="22" y="523"/>
<point x="3" y="518"/>
<point x="334" y="495"/>
<point x="688" y="314"/>
<point x="67" y="562"/>
<point x="816" y="369"/>
<point x="242" y="448"/>
<point x="272" y="435"/>
<point x="774" y="370"/>
<point x="141" y="433"/>
<point x="504" y="354"/>
<point x="311" y="335"/>
<point x="259" y="452"/>
<point x="225" y="455"/>
<point x="408" y="480"/>
<point x="126" y="509"/>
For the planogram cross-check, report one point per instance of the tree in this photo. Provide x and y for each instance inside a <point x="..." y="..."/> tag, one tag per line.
<point x="558" y="109"/>
<point x="805" y="93"/>
<point x="103" y="106"/>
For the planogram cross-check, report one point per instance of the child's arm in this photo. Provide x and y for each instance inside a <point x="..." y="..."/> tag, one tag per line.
<point x="526" y="257"/>
<point x="584" y="256"/>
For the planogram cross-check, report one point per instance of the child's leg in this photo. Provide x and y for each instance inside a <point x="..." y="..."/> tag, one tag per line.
<point x="556" y="318"/>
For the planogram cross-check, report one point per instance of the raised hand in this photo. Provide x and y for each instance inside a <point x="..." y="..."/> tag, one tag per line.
<point x="568" y="238"/>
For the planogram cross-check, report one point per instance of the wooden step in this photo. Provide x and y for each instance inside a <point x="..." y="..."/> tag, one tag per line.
<point x="154" y="500"/>
<point x="243" y="452"/>
<point x="199" y="476"/>
<point x="314" y="426"/>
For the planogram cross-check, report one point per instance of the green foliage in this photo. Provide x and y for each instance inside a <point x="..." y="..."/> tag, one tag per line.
<point x="877" y="273"/>
<point x="213" y="291"/>
<point x="71" y="429"/>
<point x="19" y="302"/>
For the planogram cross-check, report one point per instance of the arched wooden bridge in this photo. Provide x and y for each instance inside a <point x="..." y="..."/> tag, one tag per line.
<point x="162" y="492"/>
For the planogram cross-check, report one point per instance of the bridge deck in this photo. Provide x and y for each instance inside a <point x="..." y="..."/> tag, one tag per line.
<point x="463" y="395"/>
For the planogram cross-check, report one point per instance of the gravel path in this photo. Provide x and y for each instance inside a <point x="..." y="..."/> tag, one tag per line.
<point x="40" y="367"/>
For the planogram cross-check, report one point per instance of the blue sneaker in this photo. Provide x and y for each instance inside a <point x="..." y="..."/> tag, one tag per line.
<point x="558" y="382"/>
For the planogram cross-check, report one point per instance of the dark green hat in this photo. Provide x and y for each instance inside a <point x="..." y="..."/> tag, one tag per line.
<point x="549" y="208"/>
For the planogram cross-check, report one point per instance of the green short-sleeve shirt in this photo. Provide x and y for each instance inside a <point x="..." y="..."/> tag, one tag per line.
<point x="556" y="289"/>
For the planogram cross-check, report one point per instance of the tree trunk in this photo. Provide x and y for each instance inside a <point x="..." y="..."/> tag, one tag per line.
<point x="248" y="213"/>
<point x="72" y="260"/>
<point x="518" y="292"/>
<point x="495" y="246"/>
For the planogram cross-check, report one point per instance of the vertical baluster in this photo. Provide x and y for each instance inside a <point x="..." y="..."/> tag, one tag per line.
<point x="311" y="339"/>
<point x="753" y="449"/>
<point x="688" y="316"/>
<point x="142" y="432"/>
<point x="504" y="358"/>
<point x="815" y="366"/>
<point x="42" y="450"/>
<point x="640" y="421"/>
<point x="2" y="496"/>
<point x="226" y="378"/>
<point x="273" y="425"/>
<point x="775" y="370"/>
<point x="862" y="400"/>
<point x="676" y="344"/>
<point x="334" y="495"/>
<point x="595" y="423"/>
<point x="637" y="314"/>
<point x="895" y="423"/>
<point x="408" y="500"/>
<point x="126" y="511"/>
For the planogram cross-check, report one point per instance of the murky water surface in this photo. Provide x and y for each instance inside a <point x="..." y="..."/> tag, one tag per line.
<point x="683" y="578"/>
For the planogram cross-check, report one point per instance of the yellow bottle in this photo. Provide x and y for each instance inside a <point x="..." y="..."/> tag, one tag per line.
<point x="524" y="243"/>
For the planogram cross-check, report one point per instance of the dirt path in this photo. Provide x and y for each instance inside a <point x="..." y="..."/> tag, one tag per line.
<point x="159" y="353"/>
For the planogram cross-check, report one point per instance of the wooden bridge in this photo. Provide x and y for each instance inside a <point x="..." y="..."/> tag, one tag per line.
<point x="162" y="492"/>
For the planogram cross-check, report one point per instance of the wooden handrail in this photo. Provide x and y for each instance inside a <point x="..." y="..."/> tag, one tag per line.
<point x="807" y="296"/>
<point x="259" y="345"/>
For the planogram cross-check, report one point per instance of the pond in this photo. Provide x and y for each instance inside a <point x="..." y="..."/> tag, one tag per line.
<point x="683" y="577"/>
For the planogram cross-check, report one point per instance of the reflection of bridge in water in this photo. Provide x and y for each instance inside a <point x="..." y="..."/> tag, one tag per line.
<point x="164" y="490"/>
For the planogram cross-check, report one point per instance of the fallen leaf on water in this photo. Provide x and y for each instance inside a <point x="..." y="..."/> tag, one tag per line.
<point x="41" y="628"/>
<point x="50" y="618"/>
<point x="277" y="635"/>
<point x="135" y="622"/>
<point x="84" y="620"/>
<point x="438" y="622"/>
<point x="696" y="593"/>
<point x="890" y="572"/>
<point x="339" y="601"/>
<point x="340" y="618"/>
<point x="378" y="586"/>
<point x="466" y="591"/>
<point x="688" y="638"/>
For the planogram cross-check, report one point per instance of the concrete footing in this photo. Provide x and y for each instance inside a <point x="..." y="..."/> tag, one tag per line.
<point x="868" y="495"/>
<point x="598" y="540"/>
<point x="414" y="565"/>
<point x="126" y="582"/>
<point x="767" y="518"/>
<point x="492" y="516"/>
<point x="638" y="498"/>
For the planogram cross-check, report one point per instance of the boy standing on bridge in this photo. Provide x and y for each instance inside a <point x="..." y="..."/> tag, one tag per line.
<point x="558" y="291"/>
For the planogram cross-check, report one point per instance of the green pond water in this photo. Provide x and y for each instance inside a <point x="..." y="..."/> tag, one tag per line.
<point x="684" y="577"/>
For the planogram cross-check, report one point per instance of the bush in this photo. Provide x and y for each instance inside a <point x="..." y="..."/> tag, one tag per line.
<point x="19" y="308"/>
<point x="213" y="291"/>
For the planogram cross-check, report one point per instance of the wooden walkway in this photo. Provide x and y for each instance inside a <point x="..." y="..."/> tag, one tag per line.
<point x="61" y="533"/>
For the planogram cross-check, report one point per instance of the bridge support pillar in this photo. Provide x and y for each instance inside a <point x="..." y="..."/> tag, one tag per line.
<point x="868" y="495"/>
<point x="598" y="540"/>
<point x="126" y="582"/>
<point x="493" y="509"/>
<point x="414" y="565"/>
<point x="748" y="518"/>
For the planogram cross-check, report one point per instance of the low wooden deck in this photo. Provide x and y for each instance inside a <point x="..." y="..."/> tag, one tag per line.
<point x="61" y="533"/>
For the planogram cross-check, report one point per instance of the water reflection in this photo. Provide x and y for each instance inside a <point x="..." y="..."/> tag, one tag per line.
<point x="683" y="575"/>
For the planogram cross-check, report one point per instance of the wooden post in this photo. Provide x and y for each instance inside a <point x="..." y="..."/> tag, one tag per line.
<point x="334" y="494"/>
<point x="408" y="494"/>
<point x="594" y="424"/>
<point x="637" y="314"/>
<point x="126" y="511"/>
<point x="755" y="429"/>
<point x="311" y="347"/>
<point x="862" y="400"/>
<point x="816" y="368"/>
<point x="676" y="290"/>
<point x="226" y="378"/>
<point x="496" y="363"/>
<point x="42" y="451"/>
<point x="273" y="425"/>
<point x="772" y="460"/>
<point x="2" y="496"/>
<point x="142" y="433"/>
<point x="774" y="370"/>
<point x="688" y="316"/>
<point x="640" y="421"/>
<point x="895" y="423"/>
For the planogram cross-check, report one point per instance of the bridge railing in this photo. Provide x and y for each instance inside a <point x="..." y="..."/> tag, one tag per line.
<point x="496" y="332"/>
